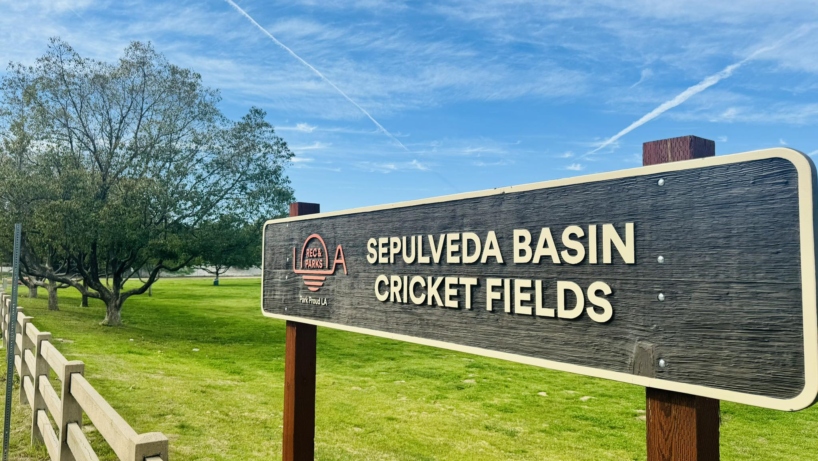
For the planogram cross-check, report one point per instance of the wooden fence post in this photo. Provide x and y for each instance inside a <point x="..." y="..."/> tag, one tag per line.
<point x="299" y="378"/>
<point x="71" y="411"/>
<point x="680" y="427"/>
<point x="3" y="326"/>
<point x="20" y="349"/>
<point x="40" y="371"/>
<point x="8" y="326"/>
<point x="6" y="301"/>
<point x="150" y="446"/>
<point x="6" y="315"/>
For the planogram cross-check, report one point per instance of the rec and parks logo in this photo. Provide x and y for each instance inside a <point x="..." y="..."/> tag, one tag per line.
<point x="314" y="263"/>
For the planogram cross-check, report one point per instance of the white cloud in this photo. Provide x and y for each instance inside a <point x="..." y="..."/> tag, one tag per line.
<point x="50" y="6"/>
<point x="314" y="146"/>
<point x="634" y="158"/>
<point x="574" y="167"/>
<point x="692" y="91"/>
<point x="391" y="167"/>
<point x="374" y="5"/>
<point x="481" y="150"/>
<point x="566" y="154"/>
<point x="301" y="127"/>
<point x="645" y="74"/>
<point x="599" y="145"/>
<point x="490" y="164"/>
<point x="729" y="114"/>
<point x="782" y="142"/>
<point x="418" y="165"/>
<point x="318" y="73"/>
<point x="756" y="112"/>
<point x="487" y="150"/>
<point x="295" y="28"/>
<point x="403" y="70"/>
<point x="531" y="50"/>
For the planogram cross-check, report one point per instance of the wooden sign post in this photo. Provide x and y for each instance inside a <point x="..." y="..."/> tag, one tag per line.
<point x="299" y="378"/>
<point x="680" y="427"/>
<point x="694" y="279"/>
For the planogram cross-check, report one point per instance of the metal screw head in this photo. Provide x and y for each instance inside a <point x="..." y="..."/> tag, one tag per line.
<point x="661" y="259"/>
<point x="661" y="181"/>
<point x="662" y="363"/>
<point x="661" y="297"/>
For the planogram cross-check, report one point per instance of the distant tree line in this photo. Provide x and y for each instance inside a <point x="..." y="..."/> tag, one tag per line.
<point x="119" y="171"/>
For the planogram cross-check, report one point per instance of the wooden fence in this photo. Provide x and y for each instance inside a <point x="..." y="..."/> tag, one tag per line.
<point x="34" y="358"/>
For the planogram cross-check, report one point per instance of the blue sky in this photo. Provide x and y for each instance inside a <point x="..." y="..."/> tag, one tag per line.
<point x="471" y="94"/>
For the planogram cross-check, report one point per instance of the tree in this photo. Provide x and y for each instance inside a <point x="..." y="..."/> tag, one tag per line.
<point x="229" y="242"/>
<point x="120" y="164"/>
<point x="51" y="287"/>
<point x="32" y="283"/>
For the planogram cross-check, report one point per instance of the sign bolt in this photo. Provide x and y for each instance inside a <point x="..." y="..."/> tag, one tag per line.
<point x="662" y="363"/>
<point x="661" y="259"/>
<point x="661" y="181"/>
<point x="661" y="296"/>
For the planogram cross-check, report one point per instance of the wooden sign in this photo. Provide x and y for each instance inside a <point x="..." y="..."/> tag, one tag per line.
<point x="696" y="276"/>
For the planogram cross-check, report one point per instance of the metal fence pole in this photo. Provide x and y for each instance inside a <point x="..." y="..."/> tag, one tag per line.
<point x="15" y="276"/>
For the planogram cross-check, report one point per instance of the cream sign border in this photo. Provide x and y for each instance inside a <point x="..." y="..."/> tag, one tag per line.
<point x="805" y="170"/>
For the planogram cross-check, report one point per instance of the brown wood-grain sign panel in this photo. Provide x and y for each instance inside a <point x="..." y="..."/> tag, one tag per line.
<point x="696" y="276"/>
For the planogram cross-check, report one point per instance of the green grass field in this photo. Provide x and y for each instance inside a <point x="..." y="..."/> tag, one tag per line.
<point x="200" y="364"/>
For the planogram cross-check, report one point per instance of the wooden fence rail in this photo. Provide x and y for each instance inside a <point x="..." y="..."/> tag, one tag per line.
<point x="35" y="357"/>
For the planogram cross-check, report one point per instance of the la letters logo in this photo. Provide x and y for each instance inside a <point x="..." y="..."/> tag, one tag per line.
<point x="314" y="265"/>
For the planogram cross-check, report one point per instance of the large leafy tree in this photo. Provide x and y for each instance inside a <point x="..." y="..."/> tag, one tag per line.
<point x="229" y="242"/>
<point x="116" y="168"/>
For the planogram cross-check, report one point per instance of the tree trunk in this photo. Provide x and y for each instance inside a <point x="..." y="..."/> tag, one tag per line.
<point x="113" y="312"/>
<point x="51" y="287"/>
<point x="150" y="288"/>
<point x="32" y="291"/>
<point x="84" y="301"/>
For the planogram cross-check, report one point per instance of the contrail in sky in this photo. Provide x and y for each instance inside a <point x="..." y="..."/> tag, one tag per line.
<point x="292" y="53"/>
<point x="694" y="90"/>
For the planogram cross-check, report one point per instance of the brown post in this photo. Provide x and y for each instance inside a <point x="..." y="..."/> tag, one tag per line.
<point x="27" y="344"/>
<point x="39" y="372"/>
<point x="680" y="427"/>
<point x="299" y="378"/>
<point x="71" y="410"/>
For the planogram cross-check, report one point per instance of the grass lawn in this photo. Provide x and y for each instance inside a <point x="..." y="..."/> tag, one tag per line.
<point x="200" y="364"/>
